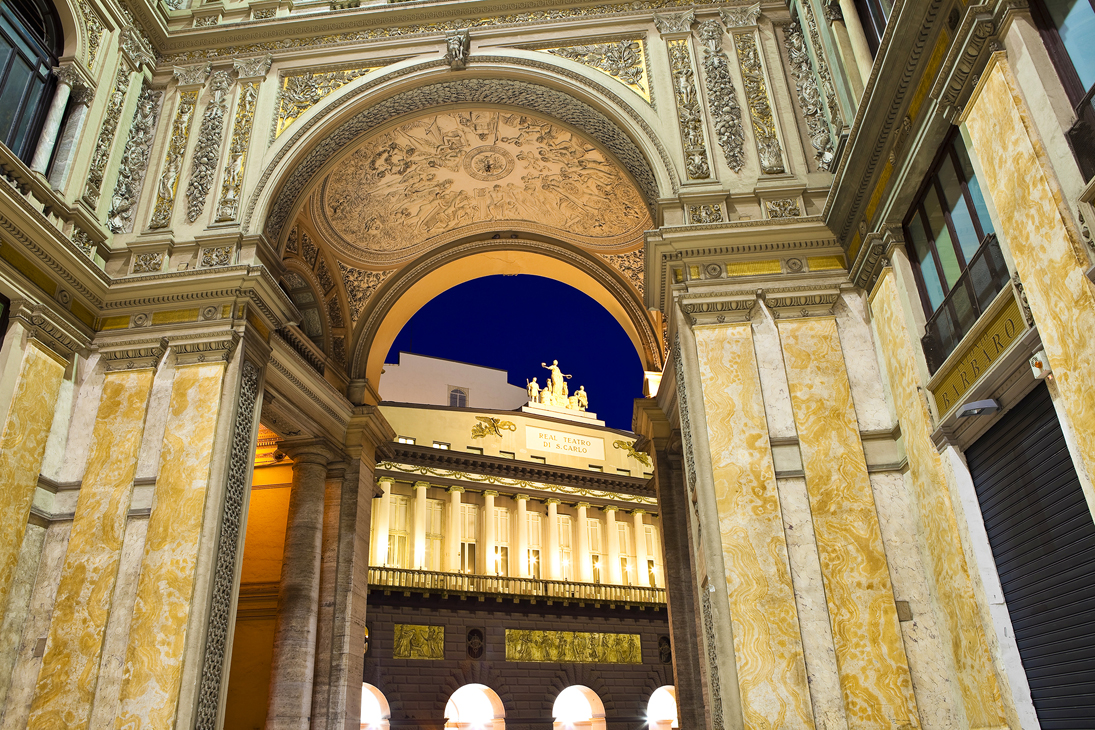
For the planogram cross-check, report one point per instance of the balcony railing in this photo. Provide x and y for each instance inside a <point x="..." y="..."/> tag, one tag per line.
<point x="459" y="583"/>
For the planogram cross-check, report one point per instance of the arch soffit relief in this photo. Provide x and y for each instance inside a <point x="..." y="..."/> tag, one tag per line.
<point x="370" y="337"/>
<point x="335" y="122"/>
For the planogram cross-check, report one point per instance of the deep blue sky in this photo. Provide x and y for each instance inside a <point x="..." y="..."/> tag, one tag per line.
<point x="516" y="322"/>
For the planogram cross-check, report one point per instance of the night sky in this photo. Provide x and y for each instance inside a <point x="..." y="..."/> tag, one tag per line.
<point x="516" y="322"/>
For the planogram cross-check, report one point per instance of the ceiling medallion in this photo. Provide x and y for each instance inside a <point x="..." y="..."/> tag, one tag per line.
<point x="488" y="163"/>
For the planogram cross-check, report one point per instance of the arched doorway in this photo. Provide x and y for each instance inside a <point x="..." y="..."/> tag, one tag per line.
<point x="475" y="707"/>
<point x="661" y="710"/>
<point x="375" y="712"/>
<point x="578" y="708"/>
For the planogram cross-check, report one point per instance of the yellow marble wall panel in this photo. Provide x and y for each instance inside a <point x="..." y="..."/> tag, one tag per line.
<point x="767" y="643"/>
<point x="22" y="445"/>
<point x="157" y="636"/>
<point x="959" y="617"/>
<point x="874" y="672"/>
<point x="1047" y="256"/>
<point x="70" y="667"/>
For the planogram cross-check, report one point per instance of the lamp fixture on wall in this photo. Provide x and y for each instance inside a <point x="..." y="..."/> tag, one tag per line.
<point x="979" y="408"/>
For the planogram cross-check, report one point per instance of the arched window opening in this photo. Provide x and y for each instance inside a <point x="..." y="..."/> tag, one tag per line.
<point x="458" y="397"/>
<point x="578" y="708"/>
<point x="308" y="303"/>
<point x="30" y="39"/>
<point x="374" y="709"/>
<point x="475" y="707"/>
<point x="661" y="710"/>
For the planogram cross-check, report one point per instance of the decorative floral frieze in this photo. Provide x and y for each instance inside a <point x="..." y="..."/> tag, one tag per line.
<point x="623" y="60"/>
<point x="216" y="256"/>
<point x="631" y="265"/>
<point x="207" y="153"/>
<point x="360" y="285"/>
<point x="147" y="263"/>
<point x="301" y="90"/>
<point x="760" y="106"/>
<point x="105" y="143"/>
<point x="127" y="190"/>
<point x="207" y="21"/>
<point x="809" y="98"/>
<point x="172" y="168"/>
<point x="722" y="97"/>
<point x="689" y="113"/>
<point x="783" y="208"/>
<point x="706" y="213"/>
<point x="93" y="27"/>
<point x="264" y="13"/>
<point x="228" y="206"/>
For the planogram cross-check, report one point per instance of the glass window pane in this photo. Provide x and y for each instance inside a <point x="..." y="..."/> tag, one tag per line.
<point x="960" y="214"/>
<point x="964" y="310"/>
<point x="943" y="246"/>
<point x="926" y="261"/>
<point x="11" y="96"/>
<point x="30" y="104"/>
<point x="1075" y="22"/>
<point x="974" y="186"/>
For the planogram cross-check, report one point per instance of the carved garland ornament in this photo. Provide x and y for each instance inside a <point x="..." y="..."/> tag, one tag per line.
<point x="95" y="31"/>
<point x="760" y="106"/>
<point x="228" y="207"/>
<point x="827" y="85"/>
<point x="783" y="208"/>
<point x="697" y="166"/>
<point x="106" y="137"/>
<point x="224" y="572"/>
<point x="722" y="96"/>
<point x="623" y="60"/>
<point x="809" y="98"/>
<point x="207" y="153"/>
<point x="169" y="179"/>
<point x="127" y="190"/>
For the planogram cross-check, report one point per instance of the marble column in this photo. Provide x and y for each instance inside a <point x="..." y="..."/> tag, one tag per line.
<point x="864" y="59"/>
<point x="615" y="574"/>
<point x="452" y="539"/>
<point x="293" y="666"/>
<point x="489" y="539"/>
<point x="383" y="513"/>
<point x="554" y="566"/>
<point x="522" y="536"/>
<point x="642" y="574"/>
<point x="420" y="525"/>
<point x="67" y="77"/>
<point x="585" y="566"/>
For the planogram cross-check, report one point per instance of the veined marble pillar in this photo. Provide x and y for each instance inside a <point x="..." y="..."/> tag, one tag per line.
<point x="554" y="566"/>
<point x="585" y="564"/>
<point x="69" y="673"/>
<point x="383" y="513"/>
<point x="452" y="539"/>
<point x="864" y="59"/>
<point x="420" y="525"/>
<point x="293" y="665"/>
<point x="67" y="77"/>
<point x="642" y="574"/>
<point x="489" y="540"/>
<point x="615" y="573"/>
<point x="522" y="536"/>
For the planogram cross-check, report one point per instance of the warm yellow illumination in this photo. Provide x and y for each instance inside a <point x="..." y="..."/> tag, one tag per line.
<point x="661" y="711"/>
<point x="578" y="708"/>
<point x="374" y="709"/>
<point x="474" y="707"/>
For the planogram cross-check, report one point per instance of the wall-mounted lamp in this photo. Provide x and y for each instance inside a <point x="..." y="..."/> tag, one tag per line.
<point x="979" y="408"/>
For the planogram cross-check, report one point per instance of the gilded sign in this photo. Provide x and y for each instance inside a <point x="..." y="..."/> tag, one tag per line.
<point x="418" y="642"/>
<point x="572" y="647"/>
<point x="976" y="357"/>
<point x="561" y="442"/>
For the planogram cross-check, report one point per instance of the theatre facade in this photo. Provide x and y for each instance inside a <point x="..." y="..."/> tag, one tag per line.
<point x="849" y="241"/>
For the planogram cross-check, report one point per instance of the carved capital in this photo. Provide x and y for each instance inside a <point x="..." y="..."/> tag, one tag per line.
<point x="192" y="75"/>
<point x="47" y="328"/>
<point x="136" y="47"/>
<point x="68" y="75"/>
<point x="740" y="17"/>
<point x="133" y="354"/>
<point x="490" y="493"/>
<point x="253" y="68"/>
<point x="214" y="347"/>
<point x="675" y="22"/>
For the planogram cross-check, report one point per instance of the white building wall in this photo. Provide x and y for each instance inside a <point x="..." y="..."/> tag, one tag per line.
<point x="427" y="380"/>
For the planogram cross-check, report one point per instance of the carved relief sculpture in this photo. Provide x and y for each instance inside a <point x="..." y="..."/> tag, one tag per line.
<point x="136" y="46"/>
<point x="631" y="265"/>
<point x="147" y="263"/>
<point x="721" y="95"/>
<point x="95" y="31"/>
<point x="675" y="22"/>
<point x="180" y="133"/>
<point x="300" y="91"/>
<point x="138" y="147"/>
<point x="457" y="46"/>
<point x="629" y="446"/>
<point x="490" y="426"/>
<point x="696" y="163"/>
<point x="809" y="98"/>
<point x="760" y="106"/>
<point x="572" y="647"/>
<point x="623" y="60"/>
<point x="706" y="213"/>
<point x="207" y="153"/>
<point x="360" y="285"/>
<point x="228" y="206"/>
<point x="784" y="208"/>
<point x="418" y="642"/>
<point x="105" y="143"/>
<point x="827" y="87"/>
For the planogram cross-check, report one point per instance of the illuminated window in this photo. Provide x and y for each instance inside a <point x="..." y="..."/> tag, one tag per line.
<point x="441" y="445"/>
<point x="535" y="537"/>
<point x="374" y="709"/>
<point x="580" y="708"/>
<point x="627" y="553"/>
<point x="475" y="707"/>
<point x="539" y="459"/>
<point x="435" y="533"/>
<point x="469" y="525"/>
<point x="566" y="540"/>
<point x="595" y="547"/>
<point x="404" y="439"/>
<point x="661" y="711"/>
<point x="399" y="532"/>
<point x="500" y="559"/>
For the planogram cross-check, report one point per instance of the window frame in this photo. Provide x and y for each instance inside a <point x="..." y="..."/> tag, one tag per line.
<point x="54" y="34"/>
<point x="1062" y="61"/>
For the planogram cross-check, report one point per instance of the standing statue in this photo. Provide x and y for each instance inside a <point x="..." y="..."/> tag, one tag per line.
<point x="533" y="390"/>
<point x="583" y="399"/>
<point x="557" y="382"/>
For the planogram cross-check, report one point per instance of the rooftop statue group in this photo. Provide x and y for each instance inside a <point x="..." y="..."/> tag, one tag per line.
<point x="555" y="391"/>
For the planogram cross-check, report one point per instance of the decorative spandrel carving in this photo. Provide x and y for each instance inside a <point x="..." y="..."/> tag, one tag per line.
<point x="689" y="113"/>
<point x="93" y="27"/>
<point x="760" y="105"/>
<point x="207" y="153"/>
<point x="675" y="22"/>
<point x="827" y="87"/>
<point x="623" y="60"/>
<point x="740" y="17"/>
<point x="292" y="243"/>
<point x="127" y="190"/>
<point x="809" y="98"/>
<point x="572" y="647"/>
<point x="418" y="642"/>
<point x="705" y="213"/>
<point x="334" y="313"/>
<point x="105" y="143"/>
<point x="721" y="96"/>
<point x="399" y="191"/>
<point x="299" y="91"/>
<point x="360" y="285"/>
<point x="169" y="178"/>
<point x="228" y="205"/>
<point x="308" y="249"/>
<point x="326" y="283"/>
<point x="631" y="265"/>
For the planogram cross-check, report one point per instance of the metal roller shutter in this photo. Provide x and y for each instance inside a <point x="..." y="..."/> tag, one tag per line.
<point x="1043" y="540"/>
